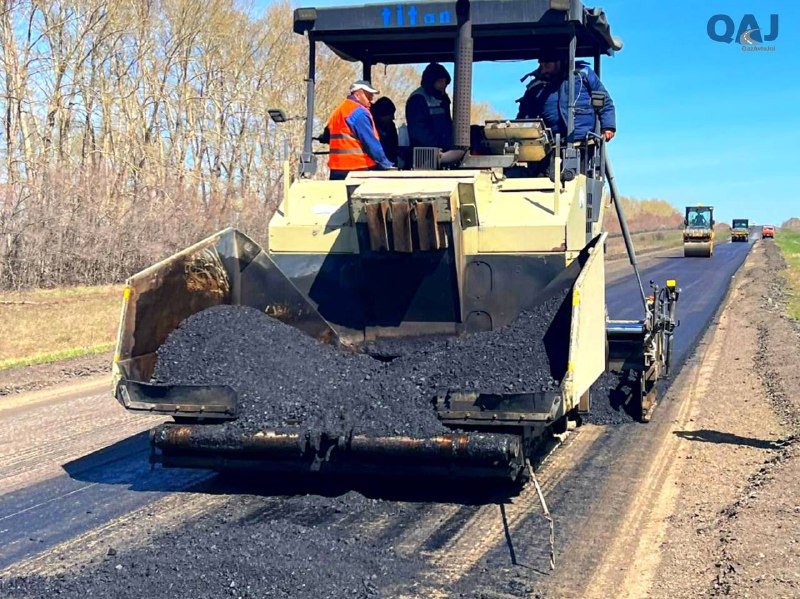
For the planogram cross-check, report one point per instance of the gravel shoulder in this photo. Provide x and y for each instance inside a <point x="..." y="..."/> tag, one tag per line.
<point x="718" y="511"/>
<point x="25" y="379"/>
<point x="759" y="532"/>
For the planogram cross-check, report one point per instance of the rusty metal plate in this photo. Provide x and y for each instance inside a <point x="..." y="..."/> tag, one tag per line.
<point x="427" y="230"/>
<point x="376" y="225"/>
<point x="401" y="227"/>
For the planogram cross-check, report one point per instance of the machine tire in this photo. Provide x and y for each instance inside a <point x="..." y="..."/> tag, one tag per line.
<point x="560" y="426"/>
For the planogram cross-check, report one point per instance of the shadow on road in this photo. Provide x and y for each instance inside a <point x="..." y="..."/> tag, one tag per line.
<point x="512" y="553"/>
<point x="125" y="463"/>
<point x="709" y="436"/>
<point x="621" y="398"/>
<point x="442" y="490"/>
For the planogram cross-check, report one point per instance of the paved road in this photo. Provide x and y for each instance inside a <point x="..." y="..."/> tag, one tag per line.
<point x="703" y="282"/>
<point x="70" y="461"/>
<point x="75" y="461"/>
<point x="591" y="484"/>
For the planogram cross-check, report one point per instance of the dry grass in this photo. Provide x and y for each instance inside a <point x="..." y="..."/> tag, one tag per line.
<point x="52" y="324"/>
<point x="656" y="240"/>
<point x="722" y="234"/>
<point x="644" y="242"/>
<point x="789" y="242"/>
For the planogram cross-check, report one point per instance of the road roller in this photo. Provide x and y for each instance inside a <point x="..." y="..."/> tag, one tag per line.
<point x="740" y="230"/>
<point x="698" y="232"/>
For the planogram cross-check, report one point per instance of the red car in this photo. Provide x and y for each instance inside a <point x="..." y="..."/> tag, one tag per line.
<point x="768" y="231"/>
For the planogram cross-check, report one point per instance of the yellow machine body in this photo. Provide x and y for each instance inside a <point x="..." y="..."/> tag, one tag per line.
<point x="471" y="249"/>
<point x="510" y="237"/>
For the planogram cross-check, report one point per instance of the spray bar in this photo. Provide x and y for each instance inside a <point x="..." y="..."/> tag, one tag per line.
<point x="473" y="455"/>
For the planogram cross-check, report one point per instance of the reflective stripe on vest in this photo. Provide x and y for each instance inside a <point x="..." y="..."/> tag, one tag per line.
<point x="346" y="153"/>
<point x="434" y="104"/>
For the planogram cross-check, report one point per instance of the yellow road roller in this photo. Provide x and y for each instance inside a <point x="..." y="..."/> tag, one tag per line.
<point x="698" y="232"/>
<point x="740" y="230"/>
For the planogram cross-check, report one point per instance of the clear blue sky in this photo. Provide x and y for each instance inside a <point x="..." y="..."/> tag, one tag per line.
<point x="698" y="120"/>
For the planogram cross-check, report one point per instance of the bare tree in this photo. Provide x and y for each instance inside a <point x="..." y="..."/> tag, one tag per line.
<point x="130" y="128"/>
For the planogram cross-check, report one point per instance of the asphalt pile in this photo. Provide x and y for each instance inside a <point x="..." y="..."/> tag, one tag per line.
<point x="285" y="379"/>
<point x="614" y="399"/>
<point x="528" y="356"/>
<point x="282" y="548"/>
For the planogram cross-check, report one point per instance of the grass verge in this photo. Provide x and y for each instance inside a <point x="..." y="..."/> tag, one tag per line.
<point x="55" y="356"/>
<point x="644" y="242"/>
<point x="789" y="242"/>
<point x="47" y="325"/>
<point x="651" y="241"/>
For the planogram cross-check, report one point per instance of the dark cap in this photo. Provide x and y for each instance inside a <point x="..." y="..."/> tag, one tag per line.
<point x="433" y="72"/>
<point x="383" y="107"/>
<point x="552" y="55"/>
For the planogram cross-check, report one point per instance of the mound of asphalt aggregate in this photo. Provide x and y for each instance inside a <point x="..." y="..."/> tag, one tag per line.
<point x="527" y="356"/>
<point x="612" y="399"/>
<point x="286" y="379"/>
<point x="390" y="348"/>
<point x="297" y="547"/>
<point x="615" y="398"/>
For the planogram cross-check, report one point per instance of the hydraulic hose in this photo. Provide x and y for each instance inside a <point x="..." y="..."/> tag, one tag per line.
<point x="623" y="223"/>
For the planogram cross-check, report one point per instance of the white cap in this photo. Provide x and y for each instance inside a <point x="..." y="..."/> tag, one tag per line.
<point x="357" y="85"/>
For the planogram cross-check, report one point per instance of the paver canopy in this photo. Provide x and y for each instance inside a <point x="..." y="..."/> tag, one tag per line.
<point x="416" y="32"/>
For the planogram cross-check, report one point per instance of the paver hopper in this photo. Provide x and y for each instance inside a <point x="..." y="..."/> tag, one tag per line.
<point x="453" y="247"/>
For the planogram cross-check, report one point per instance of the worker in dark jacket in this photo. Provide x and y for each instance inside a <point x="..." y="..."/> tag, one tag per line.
<point x="383" y="111"/>
<point x="428" y="111"/>
<point x="353" y="137"/>
<point x="547" y="98"/>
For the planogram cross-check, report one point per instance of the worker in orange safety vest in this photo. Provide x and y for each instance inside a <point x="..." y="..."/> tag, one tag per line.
<point x="354" y="141"/>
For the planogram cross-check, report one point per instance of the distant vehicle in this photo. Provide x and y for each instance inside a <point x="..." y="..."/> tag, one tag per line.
<point x="740" y="230"/>
<point x="768" y="231"/>
<point x="698" y="232"/>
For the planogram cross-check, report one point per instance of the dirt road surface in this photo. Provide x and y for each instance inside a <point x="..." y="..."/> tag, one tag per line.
<point x="688" y="505"/>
